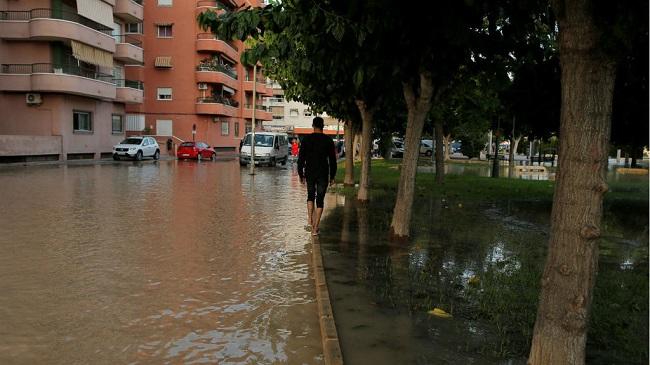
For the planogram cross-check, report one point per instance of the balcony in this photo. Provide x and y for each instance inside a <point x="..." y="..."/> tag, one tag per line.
<point x="59" y="78"/>
<point x="216" y="106"/>
<point x="208" y="42"/>
<point x="217" y="6"/>
<point x="128" y="50"/>
<point x="260" y="114"/>
<point x="129" y="92"/>
<point x="131" y="11"/>
<point x="217" y="75"/>
<point x="48" y="24"/>
<point x="260" y="88"/>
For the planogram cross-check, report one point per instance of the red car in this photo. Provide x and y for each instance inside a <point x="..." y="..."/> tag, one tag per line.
<point x="195" y="150"/>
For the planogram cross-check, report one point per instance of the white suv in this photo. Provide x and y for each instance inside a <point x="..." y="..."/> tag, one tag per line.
<point x="137" y="147"/>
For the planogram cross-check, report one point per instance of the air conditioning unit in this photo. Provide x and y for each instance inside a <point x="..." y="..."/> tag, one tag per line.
<point x="216" y="119"/>
<point x="33" y="99"/>
<point x="203" y="86"/>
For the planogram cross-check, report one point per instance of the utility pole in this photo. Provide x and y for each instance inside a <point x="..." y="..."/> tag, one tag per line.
<point x="253" y="120"/>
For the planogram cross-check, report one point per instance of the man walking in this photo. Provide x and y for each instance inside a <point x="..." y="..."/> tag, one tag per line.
<point x="316" y="167"/>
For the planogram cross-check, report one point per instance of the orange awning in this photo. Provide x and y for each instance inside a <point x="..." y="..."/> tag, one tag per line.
<point x="163" y="61"/>
<point x="328" y="132"/>
<point x="93" y="55"/>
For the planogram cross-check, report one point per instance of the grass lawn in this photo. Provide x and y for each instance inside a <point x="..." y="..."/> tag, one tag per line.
<point x="384" y="177"/>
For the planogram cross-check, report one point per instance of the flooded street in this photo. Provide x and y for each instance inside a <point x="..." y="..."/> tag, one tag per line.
<point x="169" y="262"/>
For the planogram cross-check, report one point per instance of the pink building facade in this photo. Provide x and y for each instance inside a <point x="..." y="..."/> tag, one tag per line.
<point x="197" y="89"/>
<point x="63" y="85"/>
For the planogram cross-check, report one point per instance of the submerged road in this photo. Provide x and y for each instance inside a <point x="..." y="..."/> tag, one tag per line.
<point x="169" y="262"/>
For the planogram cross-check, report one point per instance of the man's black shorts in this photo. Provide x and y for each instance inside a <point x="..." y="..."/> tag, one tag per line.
<point x="316" y="189"/>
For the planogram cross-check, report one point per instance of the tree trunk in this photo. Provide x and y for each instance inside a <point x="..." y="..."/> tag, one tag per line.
<point x="440" y="157"/>
<point x="447" y="146"/>
<point x="366" y="145"/>
<point x="357" y="145"/>
<point x="418" y="108"/>
<point x="348" y="180"/>
<point x="540" y="155"/>
<point x="514" y="143"/>
<point x="495" y="163"/>
<point x="568" y="279"/>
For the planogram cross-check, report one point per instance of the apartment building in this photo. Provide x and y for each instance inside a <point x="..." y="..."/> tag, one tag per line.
<point x="295" y="117"/>
<point x="63" y="89"/>
<point x="197" y="88"/>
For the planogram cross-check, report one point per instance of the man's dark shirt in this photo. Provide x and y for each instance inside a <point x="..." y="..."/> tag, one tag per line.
<point x="317" y="157"/>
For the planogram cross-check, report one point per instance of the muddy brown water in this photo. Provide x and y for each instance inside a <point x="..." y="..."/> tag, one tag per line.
<point x="169" y="262"/>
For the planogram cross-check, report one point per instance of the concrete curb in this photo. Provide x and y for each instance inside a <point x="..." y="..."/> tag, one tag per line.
<point x="331" y="347"/>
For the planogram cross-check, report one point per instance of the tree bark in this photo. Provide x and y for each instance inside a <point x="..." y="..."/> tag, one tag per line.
<point x="349" y="133"/>
<point x="418" y="107"/>
<point x="357" y="146"/>
<point x="440" y="155"/>
<point x="588" y="77"/>
<point x="447" y="146"/>
<point x="366" y="145"/>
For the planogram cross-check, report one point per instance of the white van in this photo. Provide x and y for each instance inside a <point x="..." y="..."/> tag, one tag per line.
<point x="270" y="148"/>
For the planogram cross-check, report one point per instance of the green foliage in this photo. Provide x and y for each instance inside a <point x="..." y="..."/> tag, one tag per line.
<point x="314" y="52"/>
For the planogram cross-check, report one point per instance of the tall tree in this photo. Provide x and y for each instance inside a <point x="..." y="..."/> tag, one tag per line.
<point x="464" y="111"/>
<point x="316" y="54"/>
<point x="425" y="69"/>
<point x="592" y="36"/>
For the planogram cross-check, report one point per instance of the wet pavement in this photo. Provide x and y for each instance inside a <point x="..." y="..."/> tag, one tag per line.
<point x="168" y="262"/>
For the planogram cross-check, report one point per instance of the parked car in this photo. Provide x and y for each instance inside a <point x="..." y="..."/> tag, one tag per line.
<point x="195" y="151"/>
<point x="270" y="148"/>
<point x="397" y="150"/>
<point x="137" y="148"/>
<point x="426" y="147"/>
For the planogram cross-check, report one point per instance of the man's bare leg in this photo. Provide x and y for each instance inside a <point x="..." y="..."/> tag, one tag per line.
<point x="310" y="213"/>
<point x="319" y="212"/>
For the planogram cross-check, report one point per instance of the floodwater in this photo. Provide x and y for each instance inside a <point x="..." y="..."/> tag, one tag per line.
<point x="480" y="262"/>
<point x="485" y="170"/>
<point x="168" y="262"/>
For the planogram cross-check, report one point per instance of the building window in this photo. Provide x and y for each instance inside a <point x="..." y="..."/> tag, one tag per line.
<point x="236" y="129"/>
<point x="82" y="121"/>
<point x="164" y="31"/>
<point x="117" y="124"/>
<point x="278" y="117"/>
<point x="133" y="28"/>
<point x="293" y="112"/>
<point x="307" y="113"/>
<point x="164" y="2"/>
<point x="224" y="128"/>
<point x="164" y="93"/>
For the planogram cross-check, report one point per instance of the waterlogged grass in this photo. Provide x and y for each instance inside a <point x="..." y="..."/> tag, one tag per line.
<point x="478" y="249"/>
<point x="384" y="177"/>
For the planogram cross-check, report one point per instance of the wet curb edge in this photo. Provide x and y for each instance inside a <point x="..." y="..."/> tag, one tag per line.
<point x="331" y="347"/>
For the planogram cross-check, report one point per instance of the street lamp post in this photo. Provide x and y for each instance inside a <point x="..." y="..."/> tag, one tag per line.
<point x="253" y="121"/>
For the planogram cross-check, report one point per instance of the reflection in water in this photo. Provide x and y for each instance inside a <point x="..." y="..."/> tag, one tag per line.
<point x="485" y="170"/>
<point x="177" y="262"/>
<point x="482" y="264"/>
